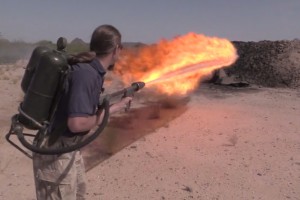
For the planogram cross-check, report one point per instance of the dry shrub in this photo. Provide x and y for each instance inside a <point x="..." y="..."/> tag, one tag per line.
<point x="233" y="140"/>
<point x="5" y="77"/>
<point x="169" y="103"/>
<point x="173" y="102"/>
<point x="268" y="63"/>
<point x="15" y="81"/>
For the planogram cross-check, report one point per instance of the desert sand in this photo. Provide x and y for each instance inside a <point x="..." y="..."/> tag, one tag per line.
<point x="221" y="143"/>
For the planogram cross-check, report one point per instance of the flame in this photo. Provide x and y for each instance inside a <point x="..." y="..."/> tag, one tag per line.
<point x="176" y="66"/>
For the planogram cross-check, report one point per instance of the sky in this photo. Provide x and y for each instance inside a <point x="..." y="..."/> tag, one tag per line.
<point x="149" y="21"/>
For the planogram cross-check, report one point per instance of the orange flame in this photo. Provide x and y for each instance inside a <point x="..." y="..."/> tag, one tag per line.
<point x="176" y="66"/>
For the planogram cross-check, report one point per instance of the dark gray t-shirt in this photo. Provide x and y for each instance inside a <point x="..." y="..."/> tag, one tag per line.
<point x="81" y="95"/>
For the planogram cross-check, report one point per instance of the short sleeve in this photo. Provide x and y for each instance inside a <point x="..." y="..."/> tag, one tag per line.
<point x="82" y="93"/>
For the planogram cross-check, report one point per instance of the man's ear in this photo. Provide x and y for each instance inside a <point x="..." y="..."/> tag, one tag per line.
<point x="111" y="67"/>
<point x="114" y="51"/>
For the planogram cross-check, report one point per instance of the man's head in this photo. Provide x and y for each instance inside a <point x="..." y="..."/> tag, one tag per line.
<point x="106" y="43"/>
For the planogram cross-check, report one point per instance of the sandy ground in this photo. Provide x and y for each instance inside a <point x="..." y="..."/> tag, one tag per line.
<point x="227" y="143"/>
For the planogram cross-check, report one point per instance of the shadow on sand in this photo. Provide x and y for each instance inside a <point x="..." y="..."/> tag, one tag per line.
<point x="220" y="91"/>
<point x="123" y="130"/>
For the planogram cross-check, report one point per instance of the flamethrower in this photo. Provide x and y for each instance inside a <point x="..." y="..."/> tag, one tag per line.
<point x="126" y="92"/>
<point x="37" y="109"/>
<point x="104" y="103"/>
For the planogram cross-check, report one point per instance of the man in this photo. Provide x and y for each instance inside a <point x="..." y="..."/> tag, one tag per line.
<point x="63" y="176"/>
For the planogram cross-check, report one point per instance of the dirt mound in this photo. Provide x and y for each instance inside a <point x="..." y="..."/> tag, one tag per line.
<point x="268" y="63"/>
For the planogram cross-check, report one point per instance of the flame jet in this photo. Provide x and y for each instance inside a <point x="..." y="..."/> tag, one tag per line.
<point x="177" y="65"/>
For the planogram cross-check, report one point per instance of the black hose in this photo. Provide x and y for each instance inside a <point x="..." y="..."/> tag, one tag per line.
<point x="68" y="149"/>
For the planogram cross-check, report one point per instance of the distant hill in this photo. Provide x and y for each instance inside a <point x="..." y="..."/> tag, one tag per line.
<point x="78" y="45"/>
<point x="78" y="41"/>
<point x="10" y="52"/>
<point x="133" y="44"/>
<point x="4" y="41"/>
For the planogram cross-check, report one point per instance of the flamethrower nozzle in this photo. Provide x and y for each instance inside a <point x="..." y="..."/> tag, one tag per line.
<point x="126" y="92"/>
<point x="138" y="85"/>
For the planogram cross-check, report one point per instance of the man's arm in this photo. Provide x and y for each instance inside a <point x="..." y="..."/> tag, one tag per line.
<point x="82" y="124"/>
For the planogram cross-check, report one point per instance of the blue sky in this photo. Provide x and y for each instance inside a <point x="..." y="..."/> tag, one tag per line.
<point x="149" y="21"/>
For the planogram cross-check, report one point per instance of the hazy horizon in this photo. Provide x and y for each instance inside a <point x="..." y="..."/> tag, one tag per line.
<point x="150" y="21"/>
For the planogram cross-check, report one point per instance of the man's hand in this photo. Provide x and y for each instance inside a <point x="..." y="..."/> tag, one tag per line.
<point x="123" y="104"/>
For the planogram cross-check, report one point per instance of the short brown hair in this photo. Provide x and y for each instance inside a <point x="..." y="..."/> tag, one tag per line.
<point x="105" y="39"/>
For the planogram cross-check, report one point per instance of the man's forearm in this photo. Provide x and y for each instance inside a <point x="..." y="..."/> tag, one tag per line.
<point x="116" y="107"/>
<point x="82" y="124"/>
